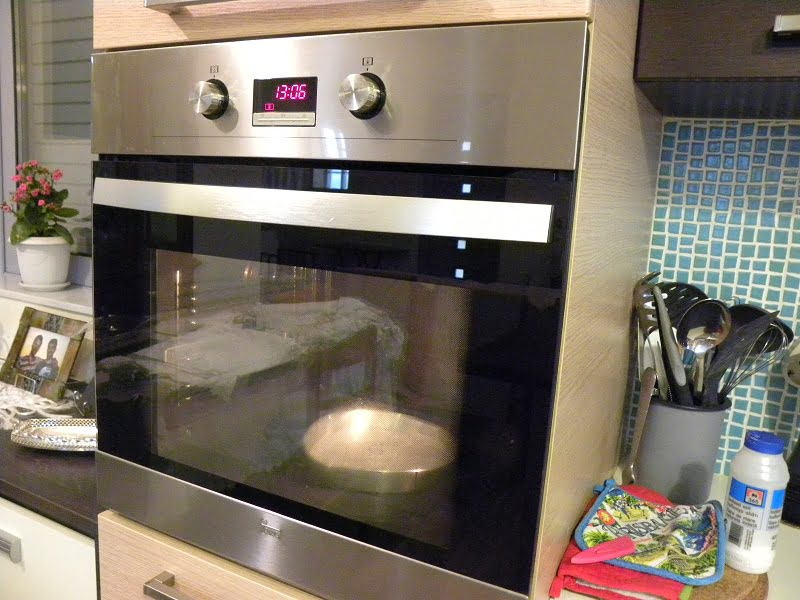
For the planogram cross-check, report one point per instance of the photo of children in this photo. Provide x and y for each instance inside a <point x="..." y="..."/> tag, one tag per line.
<point x="42" y="353"/>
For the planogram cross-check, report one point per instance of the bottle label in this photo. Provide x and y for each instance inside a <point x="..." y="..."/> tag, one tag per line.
<point x="751" y="510"/>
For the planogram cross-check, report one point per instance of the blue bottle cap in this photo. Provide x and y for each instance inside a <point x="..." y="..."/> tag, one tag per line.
<point x="764" y="442"/>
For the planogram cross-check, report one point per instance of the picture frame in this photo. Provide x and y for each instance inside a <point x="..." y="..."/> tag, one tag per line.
<point x="43" y="352"/>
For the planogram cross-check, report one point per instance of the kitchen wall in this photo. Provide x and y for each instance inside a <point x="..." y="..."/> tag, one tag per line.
<point x="727" y="219"/>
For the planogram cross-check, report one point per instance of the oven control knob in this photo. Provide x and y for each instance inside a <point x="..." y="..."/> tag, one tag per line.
<point x="210" y="98"/>
<point x="363" y="95"/>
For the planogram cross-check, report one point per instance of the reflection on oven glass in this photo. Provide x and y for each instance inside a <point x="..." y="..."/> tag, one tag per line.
<point x="380" y="400"/>
<point x="249" y="358"/>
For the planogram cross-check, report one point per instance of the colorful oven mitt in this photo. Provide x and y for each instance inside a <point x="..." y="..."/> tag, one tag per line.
<point x="682" y="542"/>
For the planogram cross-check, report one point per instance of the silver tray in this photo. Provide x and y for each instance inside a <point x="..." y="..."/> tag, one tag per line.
<point x="67" y="435"/>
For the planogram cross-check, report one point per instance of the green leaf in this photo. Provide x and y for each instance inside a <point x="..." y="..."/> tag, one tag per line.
<point x="30" y="211"/>
<point x="66" y="212"/>
<point x="63" y="232"/>
<point x="61" y="196"/>
<point x="21" y="231"/>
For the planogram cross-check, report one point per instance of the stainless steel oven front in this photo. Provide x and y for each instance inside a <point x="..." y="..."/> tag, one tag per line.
<point x="328" y="295"/>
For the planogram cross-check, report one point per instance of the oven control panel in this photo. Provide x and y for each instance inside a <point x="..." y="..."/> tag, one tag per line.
<point x="506" y="95"/>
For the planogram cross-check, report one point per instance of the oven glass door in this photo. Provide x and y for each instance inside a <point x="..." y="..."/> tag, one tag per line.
<point x="390" y="386"/>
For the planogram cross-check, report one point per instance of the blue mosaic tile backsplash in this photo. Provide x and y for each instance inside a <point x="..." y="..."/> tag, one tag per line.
<point x="727" y="219"/>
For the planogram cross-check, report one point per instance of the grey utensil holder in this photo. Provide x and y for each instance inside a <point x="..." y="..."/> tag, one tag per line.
<point x="679" y="450"/>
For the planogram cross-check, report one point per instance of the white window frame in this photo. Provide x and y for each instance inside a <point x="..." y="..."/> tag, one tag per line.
<point x="80" y="266"/>
<point x="8" y="137"/>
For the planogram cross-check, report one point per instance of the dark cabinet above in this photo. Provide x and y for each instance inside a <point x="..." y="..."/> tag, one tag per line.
<point x="720" y="58"/>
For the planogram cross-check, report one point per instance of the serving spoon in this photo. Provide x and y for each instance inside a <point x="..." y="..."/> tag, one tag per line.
<point x="704" y="326"/>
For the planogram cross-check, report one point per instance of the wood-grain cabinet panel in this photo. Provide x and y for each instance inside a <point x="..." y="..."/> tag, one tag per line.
<point x="131" y="554"/>
<point x="126" y="23"/>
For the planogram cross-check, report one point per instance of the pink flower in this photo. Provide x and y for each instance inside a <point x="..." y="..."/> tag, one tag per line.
<point x="23" y="187"/>
<point x="47" y="188"/>
<point x="29" y="178"/>
<point x="34" y="193"/>
<point x="57" y="174"/>
<point x="6" y="208"/>
<point x="20" y="167"/>
<point x="41" y="203"/>
<point x="16" y="178"/>
<point x="34" y="163"/>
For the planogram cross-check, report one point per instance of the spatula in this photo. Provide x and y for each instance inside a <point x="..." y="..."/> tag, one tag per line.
<point x="644" y="304"/>
<point x="680" y="297"/>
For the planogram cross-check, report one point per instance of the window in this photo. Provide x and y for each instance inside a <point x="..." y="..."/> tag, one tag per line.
<point x="50" y="113"/>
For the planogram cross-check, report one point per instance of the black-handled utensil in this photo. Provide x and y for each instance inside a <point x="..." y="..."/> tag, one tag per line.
<point x="744" y="313"/>
<point x="680" y="297"/>
<point x="732" y="350"/>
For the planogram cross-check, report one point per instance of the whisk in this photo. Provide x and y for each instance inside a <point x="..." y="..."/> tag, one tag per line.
<point x="768" y="348"/>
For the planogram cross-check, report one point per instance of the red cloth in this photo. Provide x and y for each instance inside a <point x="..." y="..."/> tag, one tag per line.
<point x="616" y="581"/>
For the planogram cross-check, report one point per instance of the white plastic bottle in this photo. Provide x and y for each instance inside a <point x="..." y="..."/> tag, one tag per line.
<point x="759" y="476"/>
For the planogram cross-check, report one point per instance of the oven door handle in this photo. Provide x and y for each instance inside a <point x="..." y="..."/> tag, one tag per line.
<point x="161" y="587"/>
<point x="447" y="217"/>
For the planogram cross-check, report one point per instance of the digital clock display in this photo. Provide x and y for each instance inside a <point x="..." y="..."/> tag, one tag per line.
<point x="284" y="95"/>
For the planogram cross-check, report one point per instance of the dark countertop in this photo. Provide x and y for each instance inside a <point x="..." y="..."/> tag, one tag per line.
<point x="58" y="485"/>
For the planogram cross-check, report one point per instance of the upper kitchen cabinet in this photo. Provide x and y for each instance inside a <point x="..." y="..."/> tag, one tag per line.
<point x="128" y="23"/>
<point x="720" y="58"/>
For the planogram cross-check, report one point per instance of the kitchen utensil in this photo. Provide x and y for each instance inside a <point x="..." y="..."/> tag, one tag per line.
<point x="745" y="313"/>
<point x="621" y="546"/>
<point x="645" y="394"/>
<point x="703" y="326"/>
<point x="733" y="349"/>
<point x="680" y="297"/>
<point x="775" y="337"/>
<point x="644" y="305"/>
<point x="676" y="376"/>
<point x="769" y="347"/>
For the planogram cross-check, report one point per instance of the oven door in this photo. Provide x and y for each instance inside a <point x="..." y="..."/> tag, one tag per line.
<point x="330" y="365"/>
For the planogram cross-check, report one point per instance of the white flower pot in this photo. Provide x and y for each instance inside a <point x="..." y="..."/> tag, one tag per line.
<point x="43" y="263"/>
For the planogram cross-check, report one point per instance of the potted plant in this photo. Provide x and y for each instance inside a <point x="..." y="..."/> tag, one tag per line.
<point x="41" y="240"/>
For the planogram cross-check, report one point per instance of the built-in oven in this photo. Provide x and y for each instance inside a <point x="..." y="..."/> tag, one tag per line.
<point x="328" y="295"/>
